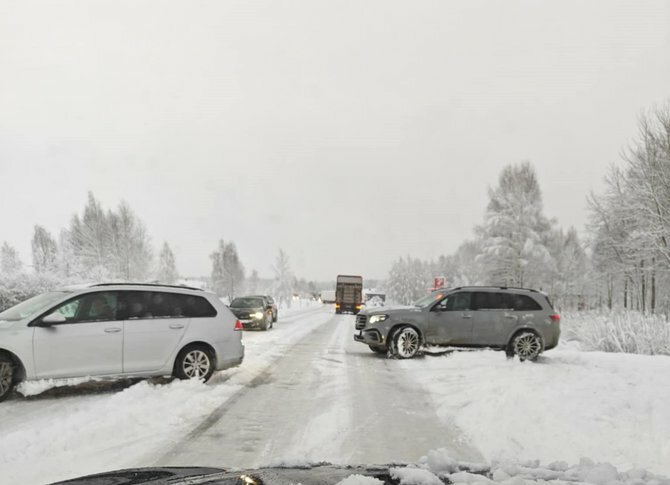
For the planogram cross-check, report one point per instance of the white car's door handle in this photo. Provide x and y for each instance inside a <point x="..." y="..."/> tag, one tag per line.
<point x="466" y="315"/>
<point x="112" y="330"/>
<point x="176" y="325"/>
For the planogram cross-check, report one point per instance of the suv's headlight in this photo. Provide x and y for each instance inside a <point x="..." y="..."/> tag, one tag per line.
<point x="377" y="318"/>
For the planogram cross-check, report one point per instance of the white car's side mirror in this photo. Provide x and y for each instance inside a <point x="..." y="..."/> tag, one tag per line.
<point x="53" y="319"/>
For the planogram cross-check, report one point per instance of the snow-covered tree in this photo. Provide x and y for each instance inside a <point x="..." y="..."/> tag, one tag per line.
<point x="10" y="263"/>
<point x="284" y="279"/>
<point x="463" y="267"/>
<point x="630" y="227"/>
<point x="44" y="250"/>
<point x="103" y="245"/>
<point x="408" y="280"/>
<point x="515" y="230"/>
<point x="130" y="248"/>
<point x="167" y="268"/>
<point x="253" y="282"/>
<point x="218" y="271"/>
<point x="568" y="282"/>
<point x="90" y="237"/>
<point x="233" y="271"/>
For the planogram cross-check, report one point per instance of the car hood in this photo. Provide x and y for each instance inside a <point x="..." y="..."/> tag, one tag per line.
<point x="245" y="311"/>
<point x="8" y="324"/>
<point x="323" y="474"/>
<point x="390" y="310"/>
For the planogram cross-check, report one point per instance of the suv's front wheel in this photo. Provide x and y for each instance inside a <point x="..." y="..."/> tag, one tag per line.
<point x="527" y="345"/>
<point x="406" y="342"/>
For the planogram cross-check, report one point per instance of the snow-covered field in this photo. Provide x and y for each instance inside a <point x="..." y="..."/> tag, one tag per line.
<point x="571" y="404"/>
<point x="307" y="392"/>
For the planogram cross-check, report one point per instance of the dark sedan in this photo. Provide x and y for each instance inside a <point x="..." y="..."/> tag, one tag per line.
<point x="253" y="312"/>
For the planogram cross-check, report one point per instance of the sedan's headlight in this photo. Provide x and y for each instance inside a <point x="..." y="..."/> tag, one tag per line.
<point x="377" y="318"/>
<point x="258" y="315"/>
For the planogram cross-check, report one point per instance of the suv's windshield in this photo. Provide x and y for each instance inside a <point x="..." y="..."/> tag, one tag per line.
<point x="32" y="306"/>
<point x="428" y="300"/>
<point x="247" y="303"/>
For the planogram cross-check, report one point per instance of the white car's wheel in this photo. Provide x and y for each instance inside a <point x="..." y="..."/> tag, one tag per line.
<point x="6" y="377"/>
<point x="406" y="343"/>
<point x="194" y="363"/>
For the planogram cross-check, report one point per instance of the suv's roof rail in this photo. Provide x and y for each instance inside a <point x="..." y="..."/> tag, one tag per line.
<point x="159" y="285"/>
<point x="495" y="287"/>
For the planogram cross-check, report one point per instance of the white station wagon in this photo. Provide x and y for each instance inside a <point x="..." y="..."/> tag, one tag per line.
<point x="118" y="330"/>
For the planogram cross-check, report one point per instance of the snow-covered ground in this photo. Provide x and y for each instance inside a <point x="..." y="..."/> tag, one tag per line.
<point x="45" y="440"/>
<point x="570" y="404"/>
<point x="307" y="392"/>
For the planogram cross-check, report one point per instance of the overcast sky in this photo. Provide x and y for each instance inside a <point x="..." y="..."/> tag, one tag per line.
<point x="346" y="132"/>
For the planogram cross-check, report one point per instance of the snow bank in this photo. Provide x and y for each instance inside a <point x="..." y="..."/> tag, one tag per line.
<point x="75" y="436"/>
<point x="630" y="332"/>
<point x="437" y="466"/>
<point x="297" y="307"/>
<point x="569" y="404"/>
<point x="33" y="388"/>
<point x="415" y="476"/>
<point x="361" y="480"/>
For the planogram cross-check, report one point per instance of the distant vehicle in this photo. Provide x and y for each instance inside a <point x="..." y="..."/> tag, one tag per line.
<point x="117" y="330"/>
<point x="520" y="321"/>
<point x="328" y="296"/>
<point x="374" y="297"/>
<point x="271" y="303"/>
<point x="349" y="294"/>
<point x="253" y="312"/>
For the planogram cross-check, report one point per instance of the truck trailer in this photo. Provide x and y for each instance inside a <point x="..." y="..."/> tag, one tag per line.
<point x="349" y="294"/>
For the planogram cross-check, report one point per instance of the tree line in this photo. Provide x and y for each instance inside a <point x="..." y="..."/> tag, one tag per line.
<point x="622" y="262"/>
<point x="114" y="245"/>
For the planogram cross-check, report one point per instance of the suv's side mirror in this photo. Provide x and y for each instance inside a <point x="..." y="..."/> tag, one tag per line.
<point x="52" y="319"/>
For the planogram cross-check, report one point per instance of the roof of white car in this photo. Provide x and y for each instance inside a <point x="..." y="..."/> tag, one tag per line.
<point x="135" y="286"/>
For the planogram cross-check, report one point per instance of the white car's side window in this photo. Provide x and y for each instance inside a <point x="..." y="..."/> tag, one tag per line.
<point x="91" y="307"/>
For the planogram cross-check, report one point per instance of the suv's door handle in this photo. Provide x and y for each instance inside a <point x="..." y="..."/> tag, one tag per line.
<point x="176" y="326"/>
<point x="112" y="330"/>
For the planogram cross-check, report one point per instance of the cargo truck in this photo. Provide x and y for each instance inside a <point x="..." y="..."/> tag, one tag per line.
<point x="349" y="294"/>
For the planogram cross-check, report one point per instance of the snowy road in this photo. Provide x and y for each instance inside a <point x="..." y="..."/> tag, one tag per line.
<point x="307" y="392"/>
<point x="328" y="399"/>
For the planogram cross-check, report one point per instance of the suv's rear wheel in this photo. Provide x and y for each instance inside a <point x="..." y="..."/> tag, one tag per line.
<point x="6" y="376"/>
<point x="194" y="362"/>
<point x="527" y="345"/>
<point x="406" y="342"/>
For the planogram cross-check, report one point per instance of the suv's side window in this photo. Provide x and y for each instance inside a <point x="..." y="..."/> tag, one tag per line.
<point x="90" y="307"/>
<point x="525" y="303"/>
<point x="488" y="300"/>
<point x="457" y="302"/>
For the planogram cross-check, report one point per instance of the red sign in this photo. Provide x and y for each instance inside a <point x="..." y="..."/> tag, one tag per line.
<point x="439" y="282"/>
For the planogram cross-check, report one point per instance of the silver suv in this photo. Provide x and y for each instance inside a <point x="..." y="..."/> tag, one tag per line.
<point x="520" y="321"/>
<point x="114" y="330"/>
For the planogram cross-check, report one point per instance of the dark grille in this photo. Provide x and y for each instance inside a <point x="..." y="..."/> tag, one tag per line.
<point x="361" y="320"/>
